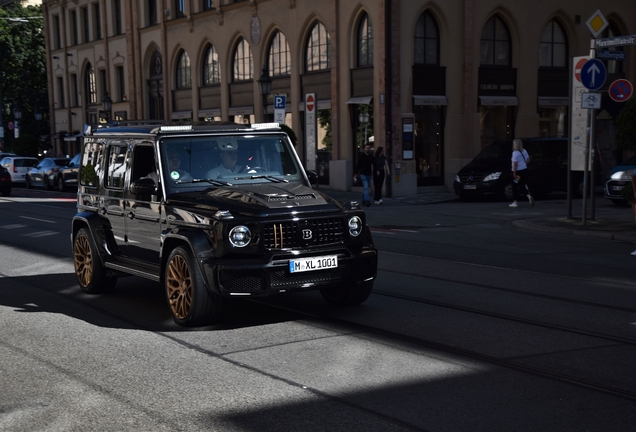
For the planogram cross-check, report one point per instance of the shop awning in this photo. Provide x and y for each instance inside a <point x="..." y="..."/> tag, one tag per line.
<point x="546" y="101"/>
<point x="361" y="100"/>
<point x="322" y="105"/>
<point x="244" y="110"/>
<point x="419" y="100"/>
<point x="180" y="115"/>
<point x="498" y="100"/>
<point x="215" y="112"/>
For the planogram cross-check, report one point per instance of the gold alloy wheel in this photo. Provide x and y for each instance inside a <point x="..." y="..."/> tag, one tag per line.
<point x="83" y="260"/>
<point x="179" y="287"/>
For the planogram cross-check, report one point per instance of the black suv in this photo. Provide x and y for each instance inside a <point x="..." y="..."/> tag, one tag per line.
<point x="490" y="173"/>
<point x="213" y="211"/>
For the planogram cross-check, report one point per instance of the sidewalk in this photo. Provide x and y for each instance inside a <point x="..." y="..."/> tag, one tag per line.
<point x="613" y="224"/>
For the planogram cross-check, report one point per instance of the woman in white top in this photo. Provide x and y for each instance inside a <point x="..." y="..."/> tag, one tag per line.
<point x="520" y="161"/>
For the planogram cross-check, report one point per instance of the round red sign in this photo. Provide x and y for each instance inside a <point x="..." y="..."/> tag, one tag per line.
<point x="310" y="103"/>
<point x="577" y="69"/>
<point x="621" y="90"/>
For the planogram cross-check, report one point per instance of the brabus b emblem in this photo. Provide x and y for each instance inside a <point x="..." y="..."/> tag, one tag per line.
<point x="307" y="234"/>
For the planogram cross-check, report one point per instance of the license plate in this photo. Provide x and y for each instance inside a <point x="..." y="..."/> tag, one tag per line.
<point x="314" y="263"/>
<point x="617" y="188"/>
<point x="470" y="186"/>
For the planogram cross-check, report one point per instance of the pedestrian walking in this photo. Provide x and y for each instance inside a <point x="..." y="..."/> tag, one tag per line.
<point x="380" y="170"/>
<point x="364" y="169"/>
<point x="520" y="161"/>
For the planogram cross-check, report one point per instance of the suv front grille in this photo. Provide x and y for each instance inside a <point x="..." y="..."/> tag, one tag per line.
<point x="290" y="234"/>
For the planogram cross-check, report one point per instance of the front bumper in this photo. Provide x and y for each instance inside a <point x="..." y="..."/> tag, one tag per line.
<point x="614" y="189"/>
<point x="271" y="275"/>
<point x="477" y="188"/>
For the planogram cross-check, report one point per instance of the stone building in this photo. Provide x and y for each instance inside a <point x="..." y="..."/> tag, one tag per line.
<point x="437" y="80"/>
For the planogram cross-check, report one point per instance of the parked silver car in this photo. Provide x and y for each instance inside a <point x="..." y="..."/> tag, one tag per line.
<point x="18" y="166"/>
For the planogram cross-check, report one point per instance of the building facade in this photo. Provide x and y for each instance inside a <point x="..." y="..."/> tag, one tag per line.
<point x="432" y="82"/>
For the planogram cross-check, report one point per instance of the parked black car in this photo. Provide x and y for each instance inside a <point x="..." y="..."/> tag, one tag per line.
<point x="45" y="173"/>
<point x="211" y="212"/>
<point x="5" y="182"/>
<point x="67" y="176"/>
<point x="617" y="178"/>
<point x="490" y="172"/>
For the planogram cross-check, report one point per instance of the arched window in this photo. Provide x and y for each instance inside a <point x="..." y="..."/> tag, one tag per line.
<point x="365" y="42"/>
<point x="184" y="77"/>
<point x="495" y="44"/>
<point x="279" y="58"/>
<point x="91" y="85"/>
<point x="553" y="50"/>
<point x="318" y="56"/>
<point x="211" y="73"/>
<point x="243" y="65"/>
<point x="426" y="40"/>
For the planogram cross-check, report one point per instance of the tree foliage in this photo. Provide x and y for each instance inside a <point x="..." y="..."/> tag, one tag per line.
<point x="324" y="120"/>
<point x="626" y="127"/>
<point x="23" y="67"/>
<point x="26" y="145"/>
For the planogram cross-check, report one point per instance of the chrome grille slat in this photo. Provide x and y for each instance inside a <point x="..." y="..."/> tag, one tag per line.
<point x="281" y="235"/>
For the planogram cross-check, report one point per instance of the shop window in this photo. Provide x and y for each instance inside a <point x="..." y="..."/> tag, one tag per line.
<point x="318" y="53"/>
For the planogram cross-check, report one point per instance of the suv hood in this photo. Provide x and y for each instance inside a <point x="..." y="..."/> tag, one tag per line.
<point x="254" y="198"/>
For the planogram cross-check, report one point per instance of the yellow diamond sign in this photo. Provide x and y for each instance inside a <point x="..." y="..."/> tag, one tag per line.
<point x="597" y="23"/>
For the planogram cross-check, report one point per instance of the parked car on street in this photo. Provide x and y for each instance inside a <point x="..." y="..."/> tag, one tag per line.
<point x="5" y="182"/>
<point x="67" y="176"/>
<point x="618" y="178"/>
<point x="213" y="212"/>
<point x="490" y="172"/>
<point x="5" y="154"/>
<point x="18" y="166"/>
<point x="45" y="173"/>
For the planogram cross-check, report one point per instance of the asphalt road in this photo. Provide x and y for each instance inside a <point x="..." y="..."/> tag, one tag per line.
<point x="474" y="325"/>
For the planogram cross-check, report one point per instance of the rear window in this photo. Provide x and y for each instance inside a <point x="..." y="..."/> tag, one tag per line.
<point x="29" y="163"/>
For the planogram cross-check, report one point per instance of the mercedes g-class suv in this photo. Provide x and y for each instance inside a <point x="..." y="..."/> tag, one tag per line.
<point x="212" y="211"/>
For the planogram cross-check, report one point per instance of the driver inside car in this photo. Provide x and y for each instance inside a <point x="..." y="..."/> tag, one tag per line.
<point x="229" y="156"/>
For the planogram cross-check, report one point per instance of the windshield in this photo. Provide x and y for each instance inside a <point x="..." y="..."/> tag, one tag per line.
<point x="229" y="159"/>
<point x="496" y="151"/>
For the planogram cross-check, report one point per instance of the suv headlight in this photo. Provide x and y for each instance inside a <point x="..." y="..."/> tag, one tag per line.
<point x="622" y="175"/>
<point x="355" y="226"/>
<point x="240" y="236"/>
<point x="457" y="179"/>
<point x="492" y="176"/>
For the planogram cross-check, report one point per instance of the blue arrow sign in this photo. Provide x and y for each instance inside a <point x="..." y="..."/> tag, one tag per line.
<point x="593" y="74"/>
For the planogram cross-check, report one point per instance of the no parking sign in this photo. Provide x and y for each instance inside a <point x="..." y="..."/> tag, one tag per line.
<point x="621" y="90"/>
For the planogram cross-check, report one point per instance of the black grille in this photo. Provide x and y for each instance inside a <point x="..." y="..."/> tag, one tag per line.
<point x="289" y="234"/>
<point x="282" y="278"/>
<point x="291" y="198"/>
<point x="471" y="178"/>
<point x="242" y="281"/>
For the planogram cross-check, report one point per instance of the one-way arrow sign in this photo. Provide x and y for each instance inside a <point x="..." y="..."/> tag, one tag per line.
<point x="593" y="74"/>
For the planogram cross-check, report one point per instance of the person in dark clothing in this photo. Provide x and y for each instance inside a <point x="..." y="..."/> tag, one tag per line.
<point x="364" y="169"/>
<point x="380" y="169"/>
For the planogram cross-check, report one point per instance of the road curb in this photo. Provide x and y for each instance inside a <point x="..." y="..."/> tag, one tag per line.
<point x="529" y="225"/>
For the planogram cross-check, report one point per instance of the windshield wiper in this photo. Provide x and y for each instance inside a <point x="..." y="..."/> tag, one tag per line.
<point x="212" y="181"/>
<point x="268" y="177"/>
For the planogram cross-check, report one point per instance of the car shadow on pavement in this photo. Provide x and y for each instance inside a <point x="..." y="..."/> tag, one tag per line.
<point x="134" y="304"/>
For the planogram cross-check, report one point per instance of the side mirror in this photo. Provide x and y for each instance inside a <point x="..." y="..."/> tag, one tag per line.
<point x="143" y="187"/>
<point x="313" y="177"/>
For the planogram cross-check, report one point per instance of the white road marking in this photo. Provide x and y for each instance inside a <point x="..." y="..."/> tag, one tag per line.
<point x="39" y="220"/>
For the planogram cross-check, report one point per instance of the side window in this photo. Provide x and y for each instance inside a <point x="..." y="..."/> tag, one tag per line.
<point x="91" y="167"/>
<point x="143" y="162"/>
<point x="556" y="149"/>
<point x="116" y="166"/>
<point x="532" y="148"/>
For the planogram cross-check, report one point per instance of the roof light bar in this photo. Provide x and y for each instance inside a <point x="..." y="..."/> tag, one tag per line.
<point x="265" y="125"/>
<point x="176" y="128"/>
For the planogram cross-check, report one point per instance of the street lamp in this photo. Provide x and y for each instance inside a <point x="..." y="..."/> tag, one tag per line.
<point x="107" y="104"/>
<point x="364" y="118"/>
<point x="265" y="85"/>
<point x="17" y="115"/>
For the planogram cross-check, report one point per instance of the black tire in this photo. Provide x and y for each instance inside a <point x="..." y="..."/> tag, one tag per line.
<point x="6" y="191"/>
<point x="45" y="183"/>
<point x="348" y="295"/>
<point x="189" y="300"/>
<point x="60" y="184"/>
<point x="27" y="183"/>
<point x="91" y="274"/>
<point x="508" y="191"/>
